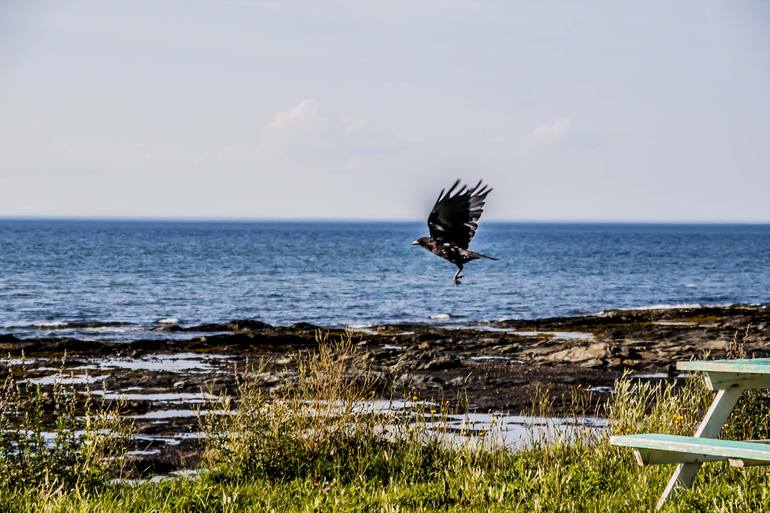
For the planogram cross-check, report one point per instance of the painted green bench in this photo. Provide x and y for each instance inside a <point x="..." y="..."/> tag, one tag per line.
<point x="729" y="378"/>
<point x="656" y="449"/>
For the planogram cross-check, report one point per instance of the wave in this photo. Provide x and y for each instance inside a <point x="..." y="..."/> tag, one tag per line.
<point x="674" y="306"/>
<point x="65" y="325"/>
<point x="668" y="306"/>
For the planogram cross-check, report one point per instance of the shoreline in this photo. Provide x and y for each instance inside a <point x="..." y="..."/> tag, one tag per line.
<point x="500" y="367"/>
<point x="111" y="328"/>
<point x="589" y="350"/>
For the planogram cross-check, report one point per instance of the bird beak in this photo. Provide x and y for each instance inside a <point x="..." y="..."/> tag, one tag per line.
<point x="415" y="243"/>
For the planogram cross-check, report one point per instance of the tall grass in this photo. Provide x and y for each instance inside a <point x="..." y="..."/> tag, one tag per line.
<point x="324" y="428"/>
<point x="751" y="416"/>
<point x="58" y="439"/>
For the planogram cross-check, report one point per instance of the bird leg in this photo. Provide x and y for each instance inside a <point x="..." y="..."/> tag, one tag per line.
<point x="457" y="275"/>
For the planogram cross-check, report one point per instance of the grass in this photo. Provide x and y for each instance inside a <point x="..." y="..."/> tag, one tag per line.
<point x="315" y="449"/>
<point x="57" y="440"/>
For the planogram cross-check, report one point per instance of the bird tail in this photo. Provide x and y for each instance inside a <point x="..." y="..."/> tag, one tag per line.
<point x="479" y="255"/>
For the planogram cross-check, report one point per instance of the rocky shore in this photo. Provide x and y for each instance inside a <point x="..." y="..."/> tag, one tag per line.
<point x="496" y="366"/>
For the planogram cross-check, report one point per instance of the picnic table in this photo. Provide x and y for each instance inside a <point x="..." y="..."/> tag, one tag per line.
<point x="729" y="378"/>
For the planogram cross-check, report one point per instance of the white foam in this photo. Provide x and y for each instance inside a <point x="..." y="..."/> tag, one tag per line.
<point x="168" y="320"/>
<point x="663" y="306"/>
<point x="668" y="307"/>
<point x="109" y="329"/>
<point x="441" y="317"/>
<point x="50" y="324"/>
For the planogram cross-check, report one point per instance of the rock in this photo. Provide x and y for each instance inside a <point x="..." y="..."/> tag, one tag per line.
<point x="536" y="351"/>
<point x="410" y="381"/>
<point x="302" y="326"/>
<point x="597" y="351"/>
<point x="424" y="337"/>
<point x="459" y="381"/>
<point x="248" y="324"/>
<point x="628" y="352"/>
<point x="441" y="363"/>
<point x="9" y="343"/>
<point x="716" y="345"/>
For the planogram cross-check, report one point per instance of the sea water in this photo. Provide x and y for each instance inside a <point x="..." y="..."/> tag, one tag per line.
<point x="121" y="279"/>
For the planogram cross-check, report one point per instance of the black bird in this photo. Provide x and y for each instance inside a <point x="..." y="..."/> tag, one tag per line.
<point x="452" y="224"/>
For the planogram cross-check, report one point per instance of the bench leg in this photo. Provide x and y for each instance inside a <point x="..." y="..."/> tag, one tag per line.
<point x="710" y="427"/>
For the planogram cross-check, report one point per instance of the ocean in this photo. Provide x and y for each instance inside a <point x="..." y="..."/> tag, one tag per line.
<point x="120" y="279"/>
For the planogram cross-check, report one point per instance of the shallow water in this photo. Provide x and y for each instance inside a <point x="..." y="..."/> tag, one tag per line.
<point x="182" y="363"/>
<point x="167" y="397"/>
<point x="516" y="431"/>
<point x="65" y="379"/>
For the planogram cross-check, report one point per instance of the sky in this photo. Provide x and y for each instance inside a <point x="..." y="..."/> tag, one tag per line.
<point x="571" y="111"/>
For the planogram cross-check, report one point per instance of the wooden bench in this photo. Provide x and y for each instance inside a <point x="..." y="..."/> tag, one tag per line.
<point x="729" y="378"/>
<point x="656" y="449"/>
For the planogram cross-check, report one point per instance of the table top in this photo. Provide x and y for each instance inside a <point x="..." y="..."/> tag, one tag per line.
<point x="747" y="366"/>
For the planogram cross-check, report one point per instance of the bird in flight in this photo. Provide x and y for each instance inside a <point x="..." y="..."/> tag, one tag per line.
<point x="452" y="224"/>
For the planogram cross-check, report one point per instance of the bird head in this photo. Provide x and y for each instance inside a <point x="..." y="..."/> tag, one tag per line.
<point x="422" y="241"/>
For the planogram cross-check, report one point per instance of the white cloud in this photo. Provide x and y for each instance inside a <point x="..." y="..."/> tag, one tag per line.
<point x="302" y="117"/>
<point x="308" y="131"/>
<point x="551" y="132"/>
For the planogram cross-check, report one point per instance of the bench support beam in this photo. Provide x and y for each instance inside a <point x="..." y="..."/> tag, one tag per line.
<point x="710" y="427"/>
<point x="720" y="380"/>
<point x="662" y="457"/>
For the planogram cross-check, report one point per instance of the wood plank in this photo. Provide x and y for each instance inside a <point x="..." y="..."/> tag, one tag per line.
<point x="725" y="449"/>
<point x="722" y="380"/>
<point x="748" y="366"/>
<point x="660" y="457"/>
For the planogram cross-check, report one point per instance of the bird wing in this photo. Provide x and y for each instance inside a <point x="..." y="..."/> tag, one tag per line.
<point x="454" y="217"/>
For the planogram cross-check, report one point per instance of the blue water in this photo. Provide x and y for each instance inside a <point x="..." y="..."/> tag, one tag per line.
<point x="337" y="273"/>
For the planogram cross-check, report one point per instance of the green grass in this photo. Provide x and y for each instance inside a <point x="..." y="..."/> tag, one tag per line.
<point x="311" y="450"/>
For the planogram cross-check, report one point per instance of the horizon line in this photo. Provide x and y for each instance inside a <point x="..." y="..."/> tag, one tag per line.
<point x="370" y="220"/>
